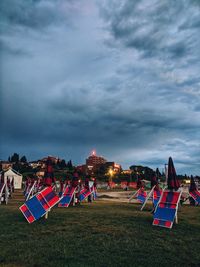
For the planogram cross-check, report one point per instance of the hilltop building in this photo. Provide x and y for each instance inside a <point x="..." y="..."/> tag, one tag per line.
<point x="93" y="161"/>
<point x="98" y="163"/>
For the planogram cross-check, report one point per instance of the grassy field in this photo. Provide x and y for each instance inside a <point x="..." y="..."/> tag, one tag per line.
<point x="98" y="234"/>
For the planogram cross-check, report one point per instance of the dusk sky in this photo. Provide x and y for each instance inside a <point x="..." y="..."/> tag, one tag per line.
<point x="121" y="77"/>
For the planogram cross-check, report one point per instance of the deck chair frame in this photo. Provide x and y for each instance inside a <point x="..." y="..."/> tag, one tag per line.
<point x="63" y="195"/>
<point x="86" y="195"/>
<point x="196" y="202"/>
<point x="176" y="209"/>
<point x="30" y="193"/>
<point x="133" y="195"/>
<point x="148" y="197"/>
<point x="46" y="210"/>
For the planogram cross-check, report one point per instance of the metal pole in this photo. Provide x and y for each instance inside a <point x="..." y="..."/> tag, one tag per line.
<point x="166" y="173"/>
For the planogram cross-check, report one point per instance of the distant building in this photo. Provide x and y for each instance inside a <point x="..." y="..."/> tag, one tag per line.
<point x="93" y="161"/>
<point x="113" y="166"/>
<point x="52" y="158"/>
<point x="126" y="172"/>
<point x="36" y="164"/>
<point x="96" y="163"/>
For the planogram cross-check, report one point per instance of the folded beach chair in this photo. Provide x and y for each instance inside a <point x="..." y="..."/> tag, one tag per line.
<point x="166" y="209"/>
<point x="84" y="193"/>
<point x="39" y="204"/>
<point x="193" y="191"/>
<point x="153" y="195"/>
<point x="156" y="196"/>
<point x="196" y="196"/>
<point x="31" y="191"/>
<point x="141" y="196"/>
<point x="67" y="196"/>
<point x="27" y="190"/>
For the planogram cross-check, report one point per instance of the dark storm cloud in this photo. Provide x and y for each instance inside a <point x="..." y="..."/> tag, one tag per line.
<point x="125" y="82"/>
<point x="28" y="13"/>
<point x="153" y="28"/>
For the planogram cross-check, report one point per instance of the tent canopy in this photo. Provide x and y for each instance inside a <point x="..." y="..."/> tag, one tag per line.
<point x="11" y="174"/>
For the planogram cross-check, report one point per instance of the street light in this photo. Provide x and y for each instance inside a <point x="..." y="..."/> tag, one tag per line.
<point x="110" y="172"/>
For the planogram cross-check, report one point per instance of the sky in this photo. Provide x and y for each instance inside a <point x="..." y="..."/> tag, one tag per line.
<point x="118" y="76"/>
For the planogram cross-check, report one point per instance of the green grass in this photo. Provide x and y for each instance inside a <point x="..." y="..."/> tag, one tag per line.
<point x="99" y="234"/>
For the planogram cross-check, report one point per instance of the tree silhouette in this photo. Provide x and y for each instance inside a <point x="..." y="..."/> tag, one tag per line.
<point x="15" y="157"/>
<point x="23" y="159"/>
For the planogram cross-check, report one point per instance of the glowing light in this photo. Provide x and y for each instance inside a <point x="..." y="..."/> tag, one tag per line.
<point x="111" y="172"/>
<point x="93" y="153"/>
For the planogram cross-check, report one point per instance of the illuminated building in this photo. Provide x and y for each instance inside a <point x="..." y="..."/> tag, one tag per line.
<point x="93" y="161"/>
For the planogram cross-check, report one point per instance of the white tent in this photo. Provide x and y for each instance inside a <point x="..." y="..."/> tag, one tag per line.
<point x="12" y="174"/>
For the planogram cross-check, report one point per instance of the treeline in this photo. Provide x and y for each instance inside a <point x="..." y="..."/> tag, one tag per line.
<point x="147" y="173"/>
<point x="61" y="164"/>
<point x="21" y="164"/>
<point x="16" y="158"/>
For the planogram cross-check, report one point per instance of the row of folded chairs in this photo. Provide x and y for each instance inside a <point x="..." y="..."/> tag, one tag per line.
<point x="41" y="203"/>
<point x="165" y="204"/>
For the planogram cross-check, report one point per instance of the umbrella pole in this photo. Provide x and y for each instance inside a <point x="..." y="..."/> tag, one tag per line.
<point x="176" y="218"/>
<point x="166" y="174"/>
